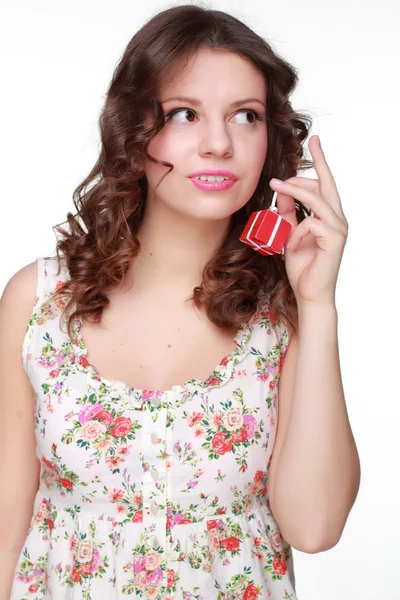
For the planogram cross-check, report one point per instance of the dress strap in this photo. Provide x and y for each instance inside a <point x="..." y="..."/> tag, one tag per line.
<point x="39" y="298"/>
<point x="46" y="283"/>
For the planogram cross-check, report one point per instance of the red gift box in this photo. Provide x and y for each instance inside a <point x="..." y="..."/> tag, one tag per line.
<point x="266" y="231"/>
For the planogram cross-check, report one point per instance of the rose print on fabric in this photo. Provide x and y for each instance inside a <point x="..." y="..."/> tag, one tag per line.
<point x="147" y="571"/>
<point x="229" y="428"/>
<point x="103" y="429"/>
<point x="160" y="500"/>
<point x="89" y="561"/>
<point x="33" y="575"/>
<point x="244" y="499"/>
<point x="54" y="472"/>
<point x="45" y="518"/>
<point x="271" y="551"/>
<point x="226" y="537"/>
<point x="128" y="501"/>
<point x="240" y="586"/>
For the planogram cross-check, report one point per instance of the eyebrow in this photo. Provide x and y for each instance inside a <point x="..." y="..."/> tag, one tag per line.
<point x="197" y="102"/>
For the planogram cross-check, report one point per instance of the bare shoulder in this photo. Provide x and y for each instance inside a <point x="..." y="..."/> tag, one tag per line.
<point x="23" y="283"/>
<point x="18" y="297"/>
<point x="16" y="305"/>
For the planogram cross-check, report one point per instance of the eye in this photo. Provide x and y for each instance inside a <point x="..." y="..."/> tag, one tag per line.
<point x="176" y="111"/>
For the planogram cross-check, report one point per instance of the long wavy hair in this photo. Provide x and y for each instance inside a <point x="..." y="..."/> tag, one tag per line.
<point x="101" y="241"/>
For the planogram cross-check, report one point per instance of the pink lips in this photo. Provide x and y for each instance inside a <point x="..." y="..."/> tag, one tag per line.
<point x="214" y="185"/>
<point x="222" y="172"/>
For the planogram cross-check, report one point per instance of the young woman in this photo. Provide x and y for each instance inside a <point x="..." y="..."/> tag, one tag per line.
<point x="189" y="425"/>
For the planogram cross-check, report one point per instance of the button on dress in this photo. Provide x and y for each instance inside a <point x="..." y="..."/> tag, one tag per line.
<point x="159" y="494"/>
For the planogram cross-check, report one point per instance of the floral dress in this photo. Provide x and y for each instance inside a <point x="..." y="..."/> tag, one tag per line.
<point x="149" y="493"/>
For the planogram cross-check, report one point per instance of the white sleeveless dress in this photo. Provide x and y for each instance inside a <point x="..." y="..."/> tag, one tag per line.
<point x="148" y="493"/>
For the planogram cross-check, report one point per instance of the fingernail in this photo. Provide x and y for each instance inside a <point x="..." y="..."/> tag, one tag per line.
<point x="318" y="140"/>
<point x="277" y="181"/>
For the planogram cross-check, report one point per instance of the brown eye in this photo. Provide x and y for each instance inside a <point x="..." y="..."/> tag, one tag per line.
<point x="179" y="110"/>
<point x="255" y="116"/>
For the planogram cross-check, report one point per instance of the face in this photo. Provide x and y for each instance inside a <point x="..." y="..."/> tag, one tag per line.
<point x="214" y="134"/>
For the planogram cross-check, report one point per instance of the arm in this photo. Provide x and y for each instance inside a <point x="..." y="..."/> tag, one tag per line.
<point x="315" y="474"/>
<point x="19" y="466"/>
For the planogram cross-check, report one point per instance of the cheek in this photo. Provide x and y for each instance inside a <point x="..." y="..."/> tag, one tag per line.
<point x="163" y="147"/>
<point x="255" y="157"/>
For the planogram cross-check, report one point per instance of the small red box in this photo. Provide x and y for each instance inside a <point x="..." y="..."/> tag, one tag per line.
<point x="266" y="232"/>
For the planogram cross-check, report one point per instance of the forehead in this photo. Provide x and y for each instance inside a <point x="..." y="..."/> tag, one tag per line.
<point x="214" y="74"/>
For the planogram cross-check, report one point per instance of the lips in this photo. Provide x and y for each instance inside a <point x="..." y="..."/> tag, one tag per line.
<point x="216" y="172"/>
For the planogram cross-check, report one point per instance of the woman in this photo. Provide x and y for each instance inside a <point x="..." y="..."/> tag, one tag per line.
<point x="153" y="468"/>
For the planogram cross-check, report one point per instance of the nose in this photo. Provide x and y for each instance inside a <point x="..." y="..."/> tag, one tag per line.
<point x="215" y="139"/>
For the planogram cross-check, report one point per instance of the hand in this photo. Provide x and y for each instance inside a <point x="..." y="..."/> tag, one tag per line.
<point x="314" y="249"/>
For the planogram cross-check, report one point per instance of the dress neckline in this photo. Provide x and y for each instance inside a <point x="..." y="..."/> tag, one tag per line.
<point x="219" y="376"/>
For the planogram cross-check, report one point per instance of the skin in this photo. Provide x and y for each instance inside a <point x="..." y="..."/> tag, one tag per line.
<point x="184" y="225"/>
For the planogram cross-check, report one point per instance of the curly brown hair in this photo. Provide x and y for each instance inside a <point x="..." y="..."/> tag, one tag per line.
<point x="110" y="201"/>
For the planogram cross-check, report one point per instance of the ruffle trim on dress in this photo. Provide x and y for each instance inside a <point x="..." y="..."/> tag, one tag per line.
<point x="178" y="393"/>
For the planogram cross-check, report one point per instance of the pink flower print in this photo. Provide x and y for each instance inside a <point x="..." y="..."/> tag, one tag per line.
<point x="54" y="373"/>
<point x="148" y="394"/>
<point x="152" y="560"/>
<point x="233" y="419"/>
<point x="41" y="512"/>
<point x="151" y="591"/>
<point x="253" y="488"/>
<point x="216" y="421"/>
<point x="192" y="484"/>
<point x="33" y="588"/>
<point x="25" y="578"/>
<point x="105" y="417"/>
<point x="194" y="418"/>
<point x="85" y="551"/>
<point x="113" y="461"/>
<point x="92" y="430"/>
<point x="198" y="431"/>
<point x="88" y="411"/>
<point x="250" y="424"/>
<point x="139" y="563"/>
<point x="124" y="449"/>
<point x="116" y="536"/>
<point x="213" y="538"/>
<point x="275" y="540"/>
<point x="95" y="560"/>
<point x="137" y="499"/>
<point x="72" y="542"/>
<point x="140" y="580"/>
<point x="177" y="518"/>
<point x="116" y="495"/>
<point x="154" y="577"/>
<point x="121" y="508"/>
<point x="103" y="444"/>
<point x="49" y="477"/>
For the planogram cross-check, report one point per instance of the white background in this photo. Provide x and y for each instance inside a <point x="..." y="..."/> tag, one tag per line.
<point x="56" y="63"/>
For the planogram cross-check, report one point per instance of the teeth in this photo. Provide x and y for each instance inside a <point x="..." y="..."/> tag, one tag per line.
<point x="211" y="177"/>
